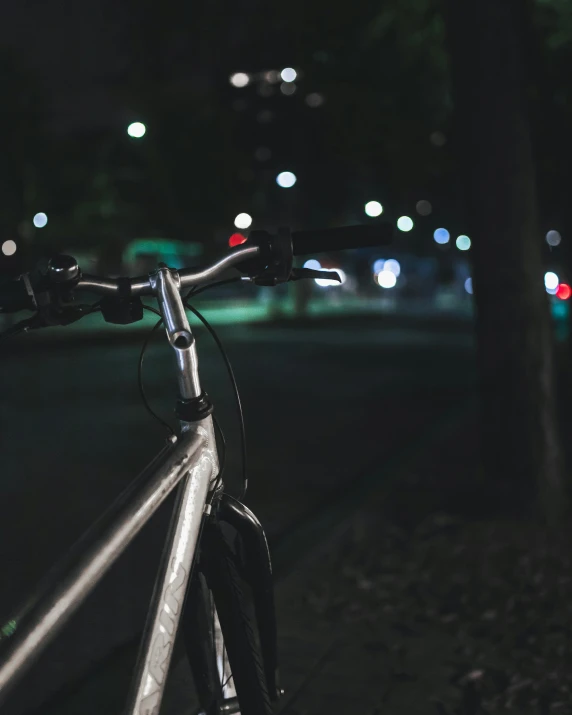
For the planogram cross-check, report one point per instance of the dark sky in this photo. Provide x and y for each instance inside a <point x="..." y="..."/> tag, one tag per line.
<point x="74" y="49"/>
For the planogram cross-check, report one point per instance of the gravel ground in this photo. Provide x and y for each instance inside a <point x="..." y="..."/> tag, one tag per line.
<point x="429" y="610"/>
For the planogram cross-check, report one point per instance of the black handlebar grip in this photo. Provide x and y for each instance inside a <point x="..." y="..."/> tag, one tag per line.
<point x="340" y="239"/>
<point x="14" y="297"/>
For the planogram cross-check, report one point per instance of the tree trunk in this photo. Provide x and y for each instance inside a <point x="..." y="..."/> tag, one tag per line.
<point x="520" y="441"/>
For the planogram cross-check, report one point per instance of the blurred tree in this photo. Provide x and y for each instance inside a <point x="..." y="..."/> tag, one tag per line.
<point x="520" y="438"/>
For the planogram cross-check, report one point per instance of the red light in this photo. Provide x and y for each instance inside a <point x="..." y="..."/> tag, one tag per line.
<point x="564" y="291"/>
<point x="236" y="240"/>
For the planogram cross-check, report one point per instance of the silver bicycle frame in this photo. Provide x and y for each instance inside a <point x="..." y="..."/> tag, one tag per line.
<point x="190" y="460"/>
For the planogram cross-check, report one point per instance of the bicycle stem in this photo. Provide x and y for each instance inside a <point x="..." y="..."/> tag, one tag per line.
<point x="165" y="284"/>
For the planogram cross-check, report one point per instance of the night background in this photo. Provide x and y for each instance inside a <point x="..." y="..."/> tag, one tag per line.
<point x="408" y="430"/>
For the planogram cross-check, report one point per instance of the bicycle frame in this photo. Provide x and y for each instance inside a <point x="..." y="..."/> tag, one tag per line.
<point x="191" y="460"/>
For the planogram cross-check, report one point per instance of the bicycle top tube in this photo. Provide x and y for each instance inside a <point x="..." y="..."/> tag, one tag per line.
<point x="186" y="278"/>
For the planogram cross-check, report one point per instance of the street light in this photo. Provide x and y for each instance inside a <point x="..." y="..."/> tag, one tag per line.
<point x="9" y="248"/>
<point x="286" y="179"/>
<point x="551" y="282"/>
<point x="136" y="130"/>
<point x="373" y="208"/>
<point x="404" y="223"/>
<point x="441" y="236"/>
<point x="386" y="279"/>
<point x="463" y="243"/>
<point x="239" y="79"/>
<point x="288" y="74"/>
<point x="243" y="220"/>
<point x="40" y="220"/>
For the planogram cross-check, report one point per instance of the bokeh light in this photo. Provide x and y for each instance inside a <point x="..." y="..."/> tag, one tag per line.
<point x="272" y="76"/>
<point x="438" y="139"/>
<point x="243" y="220"/>
<point x="423" y="207"/>
<point x="404" y="223"/>
<point x="378" y="265"/>
<point x="288" y="88"/>
<point x="463" y="243"/>
<point x="551" y="281"/>
<point x="313" y="264"/>
<point x="553" y="238"/>
<point x="286" y="179"/>
<point x="236" y="240"/>
<point x="288" y="74"/>
<point x="314" y="99"/>
<point x="564" y="291"/>
<point x="373" y="208"/>
<point x="386" y="279"/>
<point x="136" y="130"/>
<point x="40" y="220"/>
<point x="441" y="236"/>
<point x="393" y="266"/>
<point x="469" y="286"/>
<point x="239" y="79"/>
<point x="9" y="248"/>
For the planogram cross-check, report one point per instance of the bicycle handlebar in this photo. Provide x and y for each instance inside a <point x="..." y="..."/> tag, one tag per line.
<point x="341" y="239"/>
<point x="263" y="252"/>
<point x="188" y="277"/>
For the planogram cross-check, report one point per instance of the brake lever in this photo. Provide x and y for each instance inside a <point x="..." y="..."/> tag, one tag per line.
<point x="299" y="274"/>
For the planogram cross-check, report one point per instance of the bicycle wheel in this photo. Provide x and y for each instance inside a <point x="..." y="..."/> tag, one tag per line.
<point x="221" y="633"/>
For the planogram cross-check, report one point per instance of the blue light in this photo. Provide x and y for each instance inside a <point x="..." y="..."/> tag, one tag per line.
<point x="313" y="264"/>
<point x="286" y="179"/>
<point x="393" y="266"/>
<point x="40" y="220"/>
<point x="441" y="236"/>
<point x="469" y="286"/>
<point x="378" y="265"/>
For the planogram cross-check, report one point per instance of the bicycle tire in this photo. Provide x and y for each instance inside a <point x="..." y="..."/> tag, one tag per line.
<point x="220" y="567"/>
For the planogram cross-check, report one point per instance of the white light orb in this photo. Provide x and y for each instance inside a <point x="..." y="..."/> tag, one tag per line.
<point x="136" y="130"/>
<point x="404" y="223"/>
<point x="40" y="220"/>
<point x="288" y="74"/>
<point x="239" y="79"/>
<point x="386" y="279"/>
<point x="286" y="179"/>
<point x="373" y="208"/>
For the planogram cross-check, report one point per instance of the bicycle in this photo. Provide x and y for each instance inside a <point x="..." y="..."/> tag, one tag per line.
<point x="215" y="577"/>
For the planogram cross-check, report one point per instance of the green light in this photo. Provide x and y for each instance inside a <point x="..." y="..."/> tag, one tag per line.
<point x="162" y="247"/>
<point x="463" y="243"/>
<point x="560" y="310"/>
<point x="9" y="628"/>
